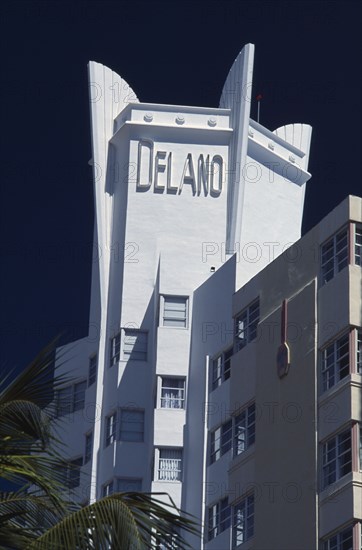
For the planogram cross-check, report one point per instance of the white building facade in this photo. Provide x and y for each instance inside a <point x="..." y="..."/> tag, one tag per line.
<point x="190" y="204"/>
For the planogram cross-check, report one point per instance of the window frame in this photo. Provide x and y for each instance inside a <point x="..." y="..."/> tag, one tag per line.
<point x="221" y="440"/>
<point x="163" y="302"/>
<point x="169" y="542"/>
<point x="357" y="246"/>
<point x="329" y="544"/>
<point x="248" y="521"/>
<point x="336" y="268"/>
<point x="158" y="469"/>
<point x="119" y="480"/>
<point x="125" y="411"/>
<point x="115" y="349"/>
<point x="335" y="465"/>
<point x="251" y="325"/>
<point x="334" y="346"/>
<point x="358" y="350"/>
<point x="72" y="472"/>
<point x="161" y="388"/>
<point x="92" y="376"/>
<point x="125" y="334"/>
<point x="88" y="448"/>
<point x="249" y="414"/>
<point x="108" y="488"/>
<point x="111" y="437"/>
<point x="220" y="367"/>
<point x="221" y="523"/>
<point x="72" y="403"/>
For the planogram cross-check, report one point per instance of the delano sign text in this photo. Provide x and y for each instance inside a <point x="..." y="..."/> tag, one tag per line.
<point x="201" y="174"/>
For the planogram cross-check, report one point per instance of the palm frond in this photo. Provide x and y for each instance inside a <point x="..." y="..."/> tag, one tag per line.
<point x="105" y="524"/>
<point x="41" y="472"/>
<point x="23" y="424"/>
<point x="127" y="521"/>
<point x="24" y="517"/>
<point x="36" y="383"/>
<point x="158" y="519"/>
<point x="40" y="515"/>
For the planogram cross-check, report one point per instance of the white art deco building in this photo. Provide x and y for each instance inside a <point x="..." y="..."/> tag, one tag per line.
<point x="191" y="204"/>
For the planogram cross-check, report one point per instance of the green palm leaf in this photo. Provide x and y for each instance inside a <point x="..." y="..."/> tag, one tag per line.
<point x="39" y="516"/>
<point x="36" y="383"/>
<point x="127" y="521"/>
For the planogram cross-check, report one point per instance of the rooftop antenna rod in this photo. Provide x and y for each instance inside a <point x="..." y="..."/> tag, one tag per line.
<point x="258" y="98"/>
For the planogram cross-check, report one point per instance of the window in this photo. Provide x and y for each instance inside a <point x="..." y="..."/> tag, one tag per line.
<point x="359" y="352"/>
<point x="339" y="359"/>
<point x="71" y="472"/>
<point x="92" y="370"/>
<point x="358" y="245"/>
<point x="246" y="325"/>
<point x="134" y="345"/>
<point x="132" y="425"/>
<point x="115" y="349"/>
<point x="335" y="362"/>
<point x="170" y="465"/>
<point x="173" y="393"/>
<point x="125" y="485"/>
<point x="108" y="489"/>
<point x="168" y="542"/>
<point x="111" y="429"/>
<point x="219" y="518"/>
<point x="334" y="255"/>
<point x="74" y="472"/>
<point x="221" y="368"/>
<point x="243" y="520"/>
<point x="244" y="430"/>
<point x="340" y="541"/>
<point x="88" y="447"/>
<point x="335" y="251"/>
<point x="65" y="401"/>
<point x="71" y="398"/>
<point x="79" y="396"/>
<point x="221" y="440"/>
<point x="174" y="311"/>
<point x="337" y="458"/>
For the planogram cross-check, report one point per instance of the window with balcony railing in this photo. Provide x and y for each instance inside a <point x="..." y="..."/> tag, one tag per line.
<point x="170" y="464"/>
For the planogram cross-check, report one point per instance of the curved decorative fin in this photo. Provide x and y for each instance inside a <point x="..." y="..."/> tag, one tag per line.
<point x="299" y="135"/>
<point x="109" y="94"/>
<point x="236" y="95"/>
